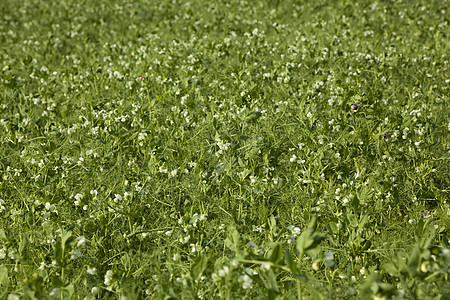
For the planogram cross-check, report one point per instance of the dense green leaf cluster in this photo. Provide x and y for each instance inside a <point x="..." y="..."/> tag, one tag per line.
<point x="224" y="149"/>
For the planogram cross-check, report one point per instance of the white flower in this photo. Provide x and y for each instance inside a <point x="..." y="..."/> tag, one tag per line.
<point x="246" y="281"/>
<point x="224" y="271"/>
<point x="194" y="248"/>
<point x="293" y="158"/>
<point x="108" y="277"/>
<point x="185" y="239"/>
<point x="117" y="197"/>
<point x="76" y="253"/>
<point x="142" y="136"/>
<point x="265" y="266"/>
<point x="92" y="271"/>
<point x="79" y="196"/>
<point x="55" y="293"/>
<point x="81" y="241"/>
<point x="2" y="253"/>
<point x="345" y="202"/>
<point x="250" y="271"/>
<point x="294" y="230"/>
<point x="95" y="290"/>
<point x="328" y="259"/>
<point x="196" y="217"/>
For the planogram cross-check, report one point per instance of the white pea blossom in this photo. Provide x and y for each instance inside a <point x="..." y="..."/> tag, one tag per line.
<point x="78" y="198"/>
<point x="328" y="259"/>
<point x="246" y="281"/>
<point x="2" y="253"/>
<point x="224" y="271"/>
<point x="75" y="254"/>
<point x="95" y="290"/>
<point x="108" y="277"/>
<point x="117" y="197"/>
<point x="81" y="241"/>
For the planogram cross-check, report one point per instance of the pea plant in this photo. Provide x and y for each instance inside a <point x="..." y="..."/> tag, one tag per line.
<point x="224" y="149"/>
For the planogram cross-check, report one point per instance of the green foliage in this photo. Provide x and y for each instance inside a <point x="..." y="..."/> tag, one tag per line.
<point x="224" y="149"/>
<point x="308" y="242"/>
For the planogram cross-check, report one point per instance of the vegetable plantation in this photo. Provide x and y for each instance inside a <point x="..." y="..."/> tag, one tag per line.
<point x="227" y="149"/>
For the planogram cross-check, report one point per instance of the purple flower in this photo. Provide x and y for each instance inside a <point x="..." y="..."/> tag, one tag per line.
<point x="355" y="106"/>
<point x="386" y="135"/>
<point x="144" y="78"/>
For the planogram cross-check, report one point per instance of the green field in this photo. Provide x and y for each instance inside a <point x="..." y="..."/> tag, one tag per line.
<point x="224" y="149"/>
